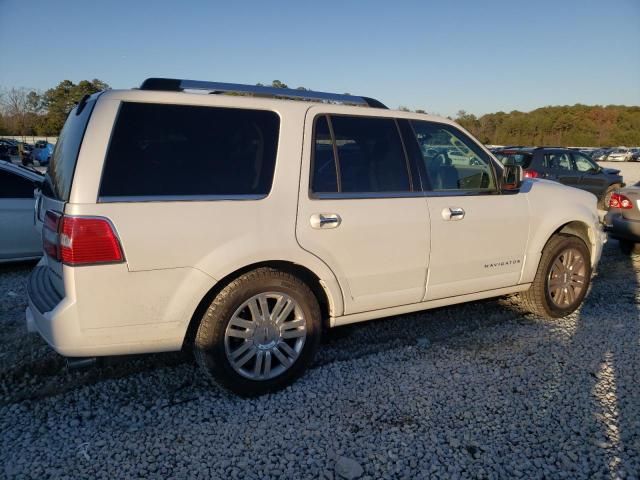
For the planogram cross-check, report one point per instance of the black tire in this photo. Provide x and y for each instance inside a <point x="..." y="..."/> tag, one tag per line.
<point x="209" y="343"/>
<point x="603" y="201"/>
<point x="628" y="247"/>
<point x="538" y="299"/>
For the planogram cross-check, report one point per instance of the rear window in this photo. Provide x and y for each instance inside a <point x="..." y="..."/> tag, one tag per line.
<point x="514" y="158"/>
<point x="65" y="155"/>
<point x="185" y="151"/>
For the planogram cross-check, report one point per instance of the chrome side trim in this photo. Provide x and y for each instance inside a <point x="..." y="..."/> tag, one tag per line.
<point x="365" y="195"/>
<point x="177" y="198"/>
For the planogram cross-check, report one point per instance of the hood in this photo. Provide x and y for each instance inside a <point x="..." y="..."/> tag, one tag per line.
<point x="611" y="171"/>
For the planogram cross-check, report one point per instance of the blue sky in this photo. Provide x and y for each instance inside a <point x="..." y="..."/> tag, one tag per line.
<point x="442" y="56"/>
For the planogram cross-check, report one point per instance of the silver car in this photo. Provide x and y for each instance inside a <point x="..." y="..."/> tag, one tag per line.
<point x="623" y="219"/>
<point x="19" y="239"/>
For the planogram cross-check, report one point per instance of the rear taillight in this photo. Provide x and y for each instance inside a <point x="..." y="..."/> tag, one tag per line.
<point x="620" y="201"/>
<point x="531" y="174"/>
<point x="80" y="240"/>
<point x="50" y="237"/>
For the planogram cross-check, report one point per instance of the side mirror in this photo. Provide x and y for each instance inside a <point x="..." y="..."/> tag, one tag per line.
<point x="512" y="178"/>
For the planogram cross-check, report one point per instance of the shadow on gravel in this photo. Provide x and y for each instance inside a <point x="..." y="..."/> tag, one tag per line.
<point x="607" y="340"/>
<point x="31" y="370"/>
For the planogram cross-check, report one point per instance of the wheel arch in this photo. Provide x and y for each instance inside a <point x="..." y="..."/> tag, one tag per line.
<point x="313" y="281"/>
<point x="578" y="228"/>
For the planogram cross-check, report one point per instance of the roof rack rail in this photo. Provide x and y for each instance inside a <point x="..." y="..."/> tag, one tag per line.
<point x="179" y="85"/>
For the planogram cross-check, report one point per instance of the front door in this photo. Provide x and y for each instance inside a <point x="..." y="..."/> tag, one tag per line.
<point x="592" y="179"/>
<point x="478" y="235"/>
<point x="361" y="210"/>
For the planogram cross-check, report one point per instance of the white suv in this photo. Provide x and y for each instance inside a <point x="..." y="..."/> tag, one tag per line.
<point x="245" y="224"/>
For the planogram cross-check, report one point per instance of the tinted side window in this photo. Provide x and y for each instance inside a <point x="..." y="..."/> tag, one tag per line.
<point x="15" y="186"/>
<point x="324" y="178"/>
<point x="181" y="150"/>
<point x="452" y="160"/>
<point x="370" y="155"/>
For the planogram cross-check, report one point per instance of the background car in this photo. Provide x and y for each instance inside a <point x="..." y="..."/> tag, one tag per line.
<point x="622" y="221"/>
<point x="566" y="166"/>
<point x="42" y="152"/>
<point x="601" y="154"/>
<point x="19" y="239"/>
<point x="620" y="155"/>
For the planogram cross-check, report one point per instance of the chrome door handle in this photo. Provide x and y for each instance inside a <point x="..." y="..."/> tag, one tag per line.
<point x="325" y="220"/>
<point x="453" y="213"/>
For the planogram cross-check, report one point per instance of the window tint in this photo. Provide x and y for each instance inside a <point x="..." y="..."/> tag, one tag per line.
<point x="452" y="160"/>
<point x="557" y="161"/>
<point x="515" y="158"/>
<point x="15" y="186"/>
<point x="324" y="179"/>
<point x="180" y="150"/>
<point x="63" y="161"/>
<point x="370" y="155"/>
<point x="583" y="164"/>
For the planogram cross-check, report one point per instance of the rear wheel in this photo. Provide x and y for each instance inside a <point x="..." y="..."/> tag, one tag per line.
<point x="260" y="332"/>
<point x="562" y="279"/>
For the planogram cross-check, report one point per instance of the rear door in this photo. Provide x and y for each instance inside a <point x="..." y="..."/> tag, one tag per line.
<point x="59" y="178"/>
<point x="20" y="238"/>
<point x="560" y="168"/>
<point x="362" y="211"/>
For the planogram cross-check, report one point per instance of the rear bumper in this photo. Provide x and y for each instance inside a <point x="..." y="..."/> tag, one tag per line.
<point x="622" y="228"/>
<point x="107" y="310"/>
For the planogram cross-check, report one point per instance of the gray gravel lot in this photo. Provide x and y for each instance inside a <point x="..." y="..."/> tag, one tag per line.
<point x="480" y="390"/>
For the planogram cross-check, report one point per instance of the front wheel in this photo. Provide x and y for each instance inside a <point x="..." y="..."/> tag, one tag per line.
<point x="562" y="278"/>
<point x="260" y="332"/>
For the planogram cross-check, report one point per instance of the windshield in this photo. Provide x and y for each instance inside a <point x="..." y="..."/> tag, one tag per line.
<point x="63" y="161"/>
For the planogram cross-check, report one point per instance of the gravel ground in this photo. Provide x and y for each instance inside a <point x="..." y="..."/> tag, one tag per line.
<point x="480" y="390"/>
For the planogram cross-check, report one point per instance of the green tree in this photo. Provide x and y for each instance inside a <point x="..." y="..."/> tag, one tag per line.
<point x="59" y="101"/>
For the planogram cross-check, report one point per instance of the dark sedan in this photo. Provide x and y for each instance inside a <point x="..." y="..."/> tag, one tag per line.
<point x="566" y="166"/>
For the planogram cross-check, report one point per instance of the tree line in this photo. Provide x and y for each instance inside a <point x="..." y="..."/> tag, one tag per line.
<point x="30" y="112"/>
<point x="577" y="125"/>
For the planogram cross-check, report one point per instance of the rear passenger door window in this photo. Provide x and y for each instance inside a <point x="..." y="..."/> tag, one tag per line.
<point x="174" y="151"/>
<point x="558" y="162"/>
<point x="452" y="160"/>
<point x="358" y="155"/>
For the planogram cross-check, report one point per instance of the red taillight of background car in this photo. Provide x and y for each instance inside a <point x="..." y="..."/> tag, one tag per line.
<point x="531" y="174"/>
<point x="620" y="201"/>
<point x="80" y="240"/>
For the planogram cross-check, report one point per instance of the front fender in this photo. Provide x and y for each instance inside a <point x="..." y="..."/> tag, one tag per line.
<point x="553" y="207"/>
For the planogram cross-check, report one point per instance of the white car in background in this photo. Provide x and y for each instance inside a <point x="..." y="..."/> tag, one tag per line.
<point x="620" y="155"/>
<point x="19" y="239"/>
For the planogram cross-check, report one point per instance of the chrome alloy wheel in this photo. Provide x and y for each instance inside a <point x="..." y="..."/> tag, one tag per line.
<point x="567" y="277"/>
<point x="265" y="336"/>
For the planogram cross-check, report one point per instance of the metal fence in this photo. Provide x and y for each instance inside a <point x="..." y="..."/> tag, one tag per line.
<point x="29" y="138"/>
